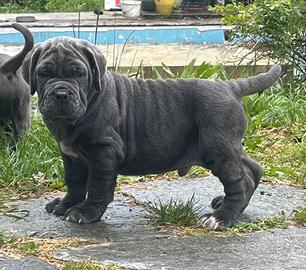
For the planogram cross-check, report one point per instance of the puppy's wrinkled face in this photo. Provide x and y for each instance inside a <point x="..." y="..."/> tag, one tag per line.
<point x="62" y="82"/>
<point x="66" y="73"/>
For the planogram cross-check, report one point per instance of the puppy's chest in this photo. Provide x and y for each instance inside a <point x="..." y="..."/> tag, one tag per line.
<point x="68" y="150"/>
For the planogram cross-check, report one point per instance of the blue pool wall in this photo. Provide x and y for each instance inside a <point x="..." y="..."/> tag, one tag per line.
<point x="121" y="36"/>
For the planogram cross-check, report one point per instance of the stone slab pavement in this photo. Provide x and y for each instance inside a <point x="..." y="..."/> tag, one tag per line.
<point x="124" y="238"/>
<point x="30" y="263"/>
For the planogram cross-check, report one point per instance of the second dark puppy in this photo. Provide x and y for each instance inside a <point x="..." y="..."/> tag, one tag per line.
<point x="15" y="97"/>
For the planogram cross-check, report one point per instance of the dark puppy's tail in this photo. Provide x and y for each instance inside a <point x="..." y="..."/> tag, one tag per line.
<point x="255" y="84"/>
<point x="12" y="64"/>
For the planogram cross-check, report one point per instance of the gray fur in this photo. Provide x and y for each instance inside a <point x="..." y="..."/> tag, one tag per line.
<point x="15" y="94"/>
<point x="106" y="123"/>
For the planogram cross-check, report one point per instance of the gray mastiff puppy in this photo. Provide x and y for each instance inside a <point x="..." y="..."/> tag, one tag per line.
<point x="106" y="124"/>
<point x="15" y="97"/>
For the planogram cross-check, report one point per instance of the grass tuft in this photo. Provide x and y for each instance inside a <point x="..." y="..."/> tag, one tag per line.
<point x="300" y="216"/>
<point x="174" y="212"/>
<point x="88" y="265"/>
<point x="279" y="221"/>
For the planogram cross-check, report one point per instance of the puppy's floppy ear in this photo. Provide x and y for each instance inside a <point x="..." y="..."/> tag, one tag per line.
<point x="97" y="63"/>
<point x="28" y="67"/>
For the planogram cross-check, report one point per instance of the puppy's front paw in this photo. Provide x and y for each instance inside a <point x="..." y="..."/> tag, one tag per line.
<point x="84" y="213"/>
<point x="58" y="207"/>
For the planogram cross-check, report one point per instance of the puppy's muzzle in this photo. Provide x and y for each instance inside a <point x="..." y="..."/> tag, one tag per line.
<point x="61" y="101"/>
<point x="62" y="95"/>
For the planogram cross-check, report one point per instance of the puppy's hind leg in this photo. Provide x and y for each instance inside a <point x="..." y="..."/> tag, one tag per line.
<point x="227" y="164"/>
<point x="252" y="169"/>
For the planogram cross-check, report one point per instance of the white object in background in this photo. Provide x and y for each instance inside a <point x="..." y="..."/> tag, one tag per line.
<point x="112" y="4"/>
<point x="178" y="3"/>
<point x="131" y="8"/>
<point x="221" y="2"/>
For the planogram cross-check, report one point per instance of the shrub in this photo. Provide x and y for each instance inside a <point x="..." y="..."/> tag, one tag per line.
<point x="275" y="28"/>
<point x="50" y="5"/>
<point x="73" y="5"/>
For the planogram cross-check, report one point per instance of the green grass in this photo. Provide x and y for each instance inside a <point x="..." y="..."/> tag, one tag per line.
<point x="281" y="151"/>
<point x="284" y="105"/>
<point x="276" y="134"/>
<point x="40" y="247"/>
<point x="7" y="240"/>
<point x="33" y="6"/>
<point x="174" y="212"/>
<point x="32" y="165"/>
<point x="280" y="221"/>
<point x="27" y="248"/>
<point x="88" y="265"/>
<point x="240" y="228"/>
<point x="185" y="217"/>
<point x="300" y="216"/>
<point x="36" y="155"/>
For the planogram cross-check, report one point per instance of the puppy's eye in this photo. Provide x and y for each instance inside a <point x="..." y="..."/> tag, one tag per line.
<point x="77" y="72"/>
<point x="43" y="73"/>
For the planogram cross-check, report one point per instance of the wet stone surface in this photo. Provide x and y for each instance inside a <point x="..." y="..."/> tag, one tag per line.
<point x="121" y="221"/>
<point x="30" y="263"/>
<point x="266" y="202"/>
<point x="125" y="238"/>
<point x="282" y="249"/>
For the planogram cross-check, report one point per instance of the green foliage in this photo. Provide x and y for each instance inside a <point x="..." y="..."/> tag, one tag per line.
<point x="174" y="212"/>
<point x="24" y="5"/>
<point x="276" y="134"/>
<point x="204" y="71"/>
<point x="87" y="265"/>
<point x="300" y="216"/>
<point x="73" y="5"/>
<point x="4" y="240"/>
<point x="83" y="265"/>
<point x="279" y="221"/>
<point x="285" y="104"/>
<point x="49" y="5"/>
<point x="29" y="248"/>
<point x="278" y="27"/>
<point x="35" y="159"/>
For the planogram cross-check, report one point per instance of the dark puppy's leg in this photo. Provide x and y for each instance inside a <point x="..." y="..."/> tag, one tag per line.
<point x="21" y="118"/>
<point x="252" y="169"/>
<point x="225" y="161"/>
<point x="76" y="175"/>
<point x="100" y="187"/>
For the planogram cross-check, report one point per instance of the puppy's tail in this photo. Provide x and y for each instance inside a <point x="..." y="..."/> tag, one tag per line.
<point x="255" y="84"/>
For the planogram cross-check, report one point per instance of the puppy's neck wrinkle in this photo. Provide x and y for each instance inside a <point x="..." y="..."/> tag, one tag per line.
<point x="94" y="105"/>
<point x="61" y="131"/>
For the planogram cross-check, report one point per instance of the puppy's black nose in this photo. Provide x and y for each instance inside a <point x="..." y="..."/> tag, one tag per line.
<point x="61" y="95"/>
